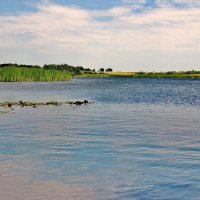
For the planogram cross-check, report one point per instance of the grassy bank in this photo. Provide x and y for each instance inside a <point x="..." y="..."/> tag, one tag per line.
<point x="22" y="73"/>
<point x="19" y="74"/>
<point x="146" y="75"/>
<point x="165" y="75"/>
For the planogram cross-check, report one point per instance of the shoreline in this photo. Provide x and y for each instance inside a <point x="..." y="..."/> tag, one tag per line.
<point x="15" y="73"/>
<point x="138" y="75"/>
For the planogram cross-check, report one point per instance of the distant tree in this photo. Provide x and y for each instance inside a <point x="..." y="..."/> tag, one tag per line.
<point x="63" y="67"/>
<point x="141" y="72"/>
<point x="101" y="70"/>
<point x="80" y="68"/>
<point x="109" y="70"/>
<point x="171" y="72"/>
<point x="192" y="72"/>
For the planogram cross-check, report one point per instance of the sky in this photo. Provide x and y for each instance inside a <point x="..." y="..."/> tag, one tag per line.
<point x="126" y="35"/>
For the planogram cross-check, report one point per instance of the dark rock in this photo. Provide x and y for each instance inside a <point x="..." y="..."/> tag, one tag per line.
<point x="9" y="105"/>
<point x="35" y="104"/>
<point x="53" y="103"/>
<point x="79" y="103"/>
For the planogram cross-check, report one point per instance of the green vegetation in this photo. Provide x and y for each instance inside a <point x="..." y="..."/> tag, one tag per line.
<point x="188" y="74"/>
<point x="170" y="74"/>
<point x="15" y="73"/>
<point x="65" y="67"/>
<point x="16" y="65"/>
<point x="52" y="72"/>
<point x="94" y="75"/>
<point x="74" y="70"/>
<point x="19" y="74"/>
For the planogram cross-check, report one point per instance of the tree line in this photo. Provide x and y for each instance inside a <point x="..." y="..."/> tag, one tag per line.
<point x="62" y="67"/>
<point x="76" y="70"/>
<point x="17" y="65"/>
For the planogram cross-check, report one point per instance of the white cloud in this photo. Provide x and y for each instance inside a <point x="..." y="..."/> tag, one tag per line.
<point x="161" y="37"/>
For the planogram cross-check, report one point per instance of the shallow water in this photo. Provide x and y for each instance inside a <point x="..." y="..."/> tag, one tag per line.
<point x="140" y="140"/>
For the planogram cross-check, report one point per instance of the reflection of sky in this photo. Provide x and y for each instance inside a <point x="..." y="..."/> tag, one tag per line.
<point x="19" y="187"/>
<point x="119" y="150"/>
<point x="141" y="136"/>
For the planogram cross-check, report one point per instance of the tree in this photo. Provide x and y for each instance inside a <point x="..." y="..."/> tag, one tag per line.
<point x="109" y="70"/>
<point x="101" y="70"/>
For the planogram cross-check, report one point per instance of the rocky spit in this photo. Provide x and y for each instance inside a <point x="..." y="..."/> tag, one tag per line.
<point x="36" y="104"/>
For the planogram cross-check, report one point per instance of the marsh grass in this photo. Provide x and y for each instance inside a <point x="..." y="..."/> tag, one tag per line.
<point x="93" y="75"/>
<point x="177" y="75"/>
<point x="16" y="74"/>
<point x="145" y="75"/>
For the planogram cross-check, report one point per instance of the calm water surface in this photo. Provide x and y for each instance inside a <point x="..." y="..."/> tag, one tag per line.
<point x="139" y="140"/>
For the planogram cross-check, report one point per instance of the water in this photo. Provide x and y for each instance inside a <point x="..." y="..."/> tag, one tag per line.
<point x="140" y="140"/>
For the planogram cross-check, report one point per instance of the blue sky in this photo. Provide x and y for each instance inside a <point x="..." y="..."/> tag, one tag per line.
<point x="127" y="35"/>
<point x="14" y="6"/>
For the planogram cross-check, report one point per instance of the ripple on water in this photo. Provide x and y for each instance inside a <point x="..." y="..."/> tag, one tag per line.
<point x="140" y="140"/>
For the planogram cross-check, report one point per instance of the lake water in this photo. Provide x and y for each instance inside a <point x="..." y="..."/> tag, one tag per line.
<point x="139" y="140"/>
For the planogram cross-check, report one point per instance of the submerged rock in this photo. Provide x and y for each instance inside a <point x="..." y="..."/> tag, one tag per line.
<point x="4" y="112"/>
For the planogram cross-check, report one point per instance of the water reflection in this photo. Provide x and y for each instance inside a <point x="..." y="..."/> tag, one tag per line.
<point x="112" y="150"/>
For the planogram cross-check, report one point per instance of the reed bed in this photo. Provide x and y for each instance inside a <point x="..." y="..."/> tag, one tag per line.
<point x="22" y="74"/>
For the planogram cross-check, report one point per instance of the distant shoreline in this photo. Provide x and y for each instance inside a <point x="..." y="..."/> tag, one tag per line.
<point x="64" y="72"/>
<point x="175" y="75"/>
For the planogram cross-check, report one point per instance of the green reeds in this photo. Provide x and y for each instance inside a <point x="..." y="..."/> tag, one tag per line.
<point x="16" y="74"/>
